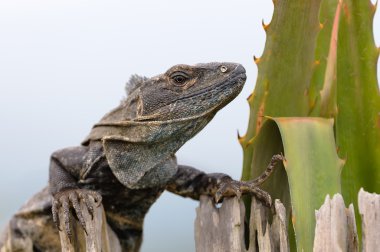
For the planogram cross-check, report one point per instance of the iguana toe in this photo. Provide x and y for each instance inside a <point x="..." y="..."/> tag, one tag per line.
<point x="72" y="198"/>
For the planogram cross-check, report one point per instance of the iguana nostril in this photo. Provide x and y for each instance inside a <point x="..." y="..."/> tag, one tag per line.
<point x="223" y="69"/>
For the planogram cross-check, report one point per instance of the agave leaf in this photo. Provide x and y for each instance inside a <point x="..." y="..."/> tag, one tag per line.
<point x="326" y="19"/>
<point x="284" y="73"/>
<point x="358" y="100"/>
<point x="335" y="77"/>
<point x="284" y="70"/>
<point x="326" y="102"/>
<point x="312" y="167"/>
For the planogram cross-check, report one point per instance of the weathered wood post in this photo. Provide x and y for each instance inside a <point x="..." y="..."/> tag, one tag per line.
<point x="369" y="209"/>
<point x="99" y="237"/>
<point x="222" y="229"/>
<point x="335" y="228"/>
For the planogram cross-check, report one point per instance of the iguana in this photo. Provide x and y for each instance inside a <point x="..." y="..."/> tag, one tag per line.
<point x="128" y="159"/>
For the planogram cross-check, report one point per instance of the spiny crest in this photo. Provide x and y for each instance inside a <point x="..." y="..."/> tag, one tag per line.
<point x="134" y="82"/>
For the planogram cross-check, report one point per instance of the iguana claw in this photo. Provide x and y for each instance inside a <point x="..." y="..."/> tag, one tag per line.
<point x="71" y="198"/>
<point x="229" y="187"/>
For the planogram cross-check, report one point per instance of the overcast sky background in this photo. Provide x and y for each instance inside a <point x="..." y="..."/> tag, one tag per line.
<point x="63" y="65"/>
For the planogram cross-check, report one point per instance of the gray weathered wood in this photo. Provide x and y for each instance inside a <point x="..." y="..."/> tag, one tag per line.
<point x="280" y="228"/>
<point x="222" y="229"/>
<point x="100" y="237"/>
<point x="219" y="229"/>
<point x="369" y="209"/>
<point x="335" y="226"/>
<point x="268" y="237"/>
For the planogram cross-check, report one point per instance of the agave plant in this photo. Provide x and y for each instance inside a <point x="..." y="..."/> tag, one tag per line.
<point x="316" y="100"/>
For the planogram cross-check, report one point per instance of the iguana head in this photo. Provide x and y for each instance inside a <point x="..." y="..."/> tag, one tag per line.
<point x="159" y="115"/>
<point x="186" y="91"/>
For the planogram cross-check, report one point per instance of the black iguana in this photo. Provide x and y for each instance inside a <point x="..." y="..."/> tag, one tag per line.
<point x="128" y="159"/>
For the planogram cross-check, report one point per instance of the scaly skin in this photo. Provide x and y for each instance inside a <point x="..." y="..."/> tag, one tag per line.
<point x="128" y="159"/>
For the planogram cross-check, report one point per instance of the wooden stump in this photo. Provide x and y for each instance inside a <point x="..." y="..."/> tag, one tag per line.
<point x="335" y="228"/>
<point x="369" y="209"/>
<point x="222" y="229"/>
<point x="100" y="237"/>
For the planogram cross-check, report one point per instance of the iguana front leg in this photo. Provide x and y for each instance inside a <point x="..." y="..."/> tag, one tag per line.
<point x="190" y="182"/>
<point x="64" y="173"/>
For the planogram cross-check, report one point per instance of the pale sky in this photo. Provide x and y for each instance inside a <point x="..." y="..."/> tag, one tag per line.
<point x="63" y="64"/>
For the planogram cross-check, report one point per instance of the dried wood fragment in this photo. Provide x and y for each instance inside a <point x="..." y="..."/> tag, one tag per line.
<point x="99" y="238"/>
<point x="219" y="229"/>
<point x="369" y="209"/>
<point x="280" y="228"/>
<point x="335" y="226"/>
<point x="265" y="236"/>
<point x="222" y="229"/>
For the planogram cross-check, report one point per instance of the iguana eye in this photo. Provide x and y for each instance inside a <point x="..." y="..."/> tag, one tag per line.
<point x="179" y="78"/>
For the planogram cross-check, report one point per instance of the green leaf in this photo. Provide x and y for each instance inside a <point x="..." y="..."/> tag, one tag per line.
<point x="284" y="70"/>
<point x="312" y="167"/>
<point x="326" y="19"/>
<point x="326" y="100"/>
<point x="358" y="100"/>
<point x="332" y="75"/>
<point x="284" y="74"/>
